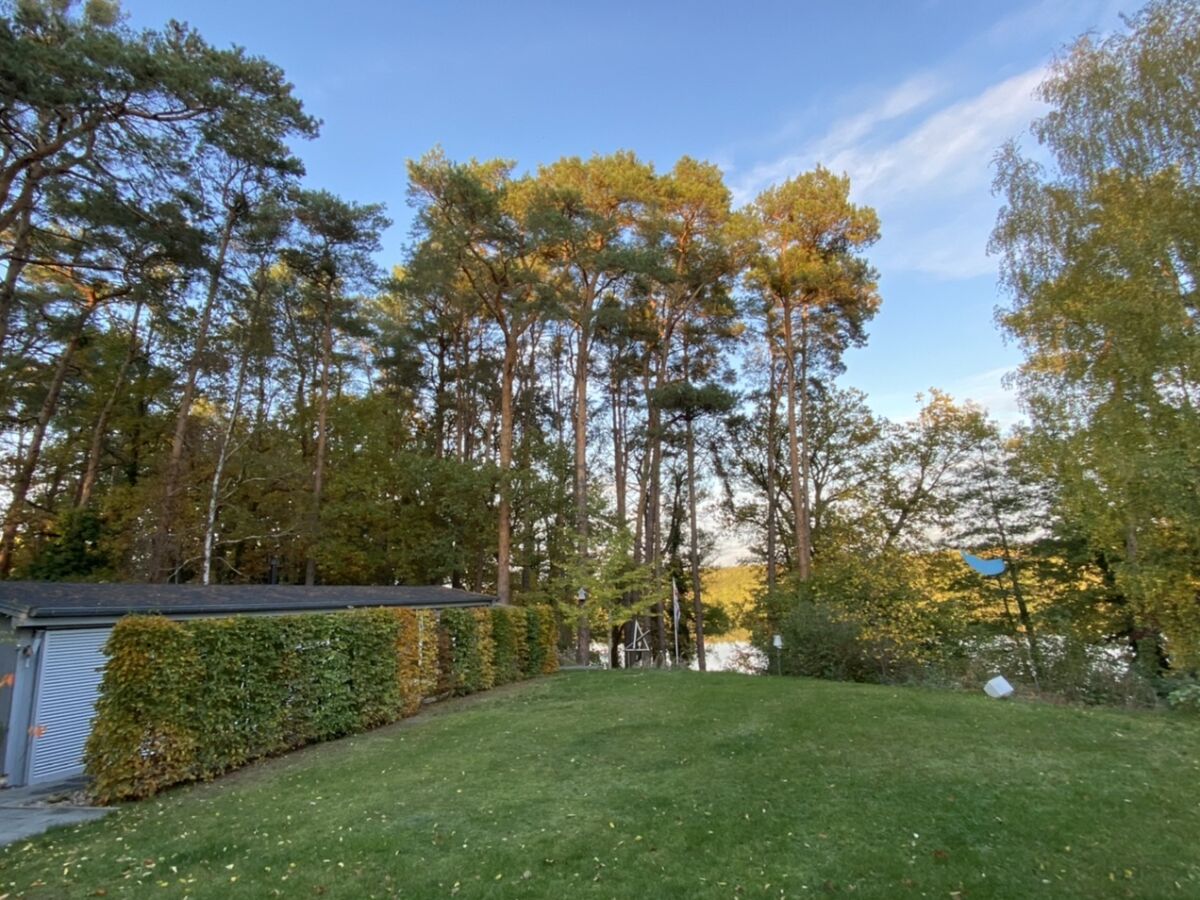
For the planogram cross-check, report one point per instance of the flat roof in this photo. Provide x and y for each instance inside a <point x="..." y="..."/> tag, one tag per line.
<point x="46" y="601"/>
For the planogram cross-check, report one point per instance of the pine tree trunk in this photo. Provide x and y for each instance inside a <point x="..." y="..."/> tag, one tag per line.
<point x="620" y="466"/>
<point x="1035" y="654"/>
<point x="582" y="357"/>
<point x="504" y="530"/>
<point x="166" y="525"/>
<point x="214" y="494"/>
<point x="654" y="508"/>
<point x="804" y="520"/>
<point x="800" y="537"/>
<point x="697" y="600"/>
<point x="772" y="438"/>
<point x="24" y="479"/>
<point x="318" y="484"/>
<point x="15" y="264"/>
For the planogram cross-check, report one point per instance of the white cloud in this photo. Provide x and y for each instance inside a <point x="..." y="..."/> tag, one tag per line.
<point x="898" y="102"/>
<point x="929" y="178"/>
<point x="844" y="133"/>
<point x="950" y="151"/>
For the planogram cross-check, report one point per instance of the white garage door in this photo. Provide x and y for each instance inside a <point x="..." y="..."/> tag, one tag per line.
<point x="68" y="681"/>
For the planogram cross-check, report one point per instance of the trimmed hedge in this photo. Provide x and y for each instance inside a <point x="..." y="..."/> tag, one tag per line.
<point x="182" y="701"/>
<point x="468" y="652"/>
<point x="510" y="641"/>
<point x="541" y="642"/>
<point x="417" y="657"/>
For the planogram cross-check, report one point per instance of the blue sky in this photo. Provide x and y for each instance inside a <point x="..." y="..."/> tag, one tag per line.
<point x="910" y="99"/>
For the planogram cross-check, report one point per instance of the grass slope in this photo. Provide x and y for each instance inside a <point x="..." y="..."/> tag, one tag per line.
<point x="629" y="784"/>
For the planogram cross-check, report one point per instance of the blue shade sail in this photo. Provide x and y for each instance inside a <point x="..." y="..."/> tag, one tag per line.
<point x="988" y="567"/>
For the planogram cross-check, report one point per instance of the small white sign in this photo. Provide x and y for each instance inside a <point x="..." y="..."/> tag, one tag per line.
<point x="778" y="642"/>
<point x="998" y="688"/>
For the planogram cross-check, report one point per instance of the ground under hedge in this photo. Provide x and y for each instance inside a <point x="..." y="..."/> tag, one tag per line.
<point x="595" y="784"/>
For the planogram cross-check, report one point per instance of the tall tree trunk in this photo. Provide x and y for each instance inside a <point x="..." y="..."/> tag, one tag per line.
<point x="772" y="439"/>
<point x="694" y="539"/>
<point x="582" y="365"/>
<point x="21" y="484"/>
<point x="805" y="514"/>
<point x="318" y="483"/>
<point x="801" y="562"/>
<point x="528" y="427"/>
<point x="582" y="357"/>
<point x="166" y="525"/>
<point x="693" y="530"/>
<point x="87" y="484"/>
<point x="439" y="400"/>
<point x="21" y="240"/>
<point x="141" y="406"/>
<point x="620" y="465"/>
<point x="504" y="529"/>
<point x="214" y="494"/>
<point x="654" y="505"/>
<point x="621" y="486"/>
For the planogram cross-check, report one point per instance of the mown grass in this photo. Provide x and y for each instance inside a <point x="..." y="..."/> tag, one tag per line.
<point x="674" y="785"/>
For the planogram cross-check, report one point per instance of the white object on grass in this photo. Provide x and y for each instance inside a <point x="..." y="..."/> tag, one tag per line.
<point x="998" y="687"/>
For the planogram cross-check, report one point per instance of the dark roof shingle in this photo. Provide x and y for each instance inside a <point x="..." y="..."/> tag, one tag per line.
<point x="52" y="599"/>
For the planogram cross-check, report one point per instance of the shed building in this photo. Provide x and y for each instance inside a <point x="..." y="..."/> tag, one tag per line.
<point x="52" y="638"/>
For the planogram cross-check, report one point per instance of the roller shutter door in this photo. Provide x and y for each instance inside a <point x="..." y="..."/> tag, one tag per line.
<point x="72" y="664"/>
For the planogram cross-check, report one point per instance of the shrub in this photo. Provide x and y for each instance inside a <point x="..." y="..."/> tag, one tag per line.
<point x="416" y="657"/>
<point x="541" y="641"/>
<point x="1185" y="698"/>
<point x="182" y="701"/>
<point x="467" y="650"/>
<point x="510" y="637"/>
<point x="485" y="651"/>
<point x="819" y="645"/>
<point x="143" y="738"/>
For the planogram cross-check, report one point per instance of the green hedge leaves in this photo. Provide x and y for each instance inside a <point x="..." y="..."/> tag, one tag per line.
<point x="182" y="701"/>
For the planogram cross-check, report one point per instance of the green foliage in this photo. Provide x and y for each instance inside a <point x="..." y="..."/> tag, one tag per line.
<point x="468" y="650"/>
<point x="858" y="618"/>
<point x="416" y="657"/>
<point x="143" y="738"/>
<point x="75" y="553"/>
<point x="610" y="580"/>
<point x="541" y="641"/>
<point x="819" y="645"/>
<point x="1098" y="252"/>
<point x="182" y="701"/>
<point x="1185" y="698"/>
<point x="426" y="517"/>
<point x="510" y="637"/>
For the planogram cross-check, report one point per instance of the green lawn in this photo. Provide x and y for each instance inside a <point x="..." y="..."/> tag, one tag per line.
<point x="674" y="785"/>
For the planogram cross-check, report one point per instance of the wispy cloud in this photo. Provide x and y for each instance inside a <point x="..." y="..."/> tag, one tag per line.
<point x="949" y="151"/>
<point x="924" y="165"/>
<point x="920" y="152"/>
<point x="842" y="136"/>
